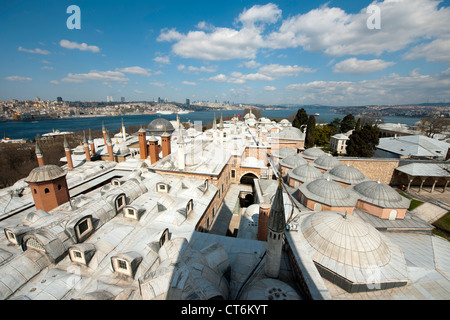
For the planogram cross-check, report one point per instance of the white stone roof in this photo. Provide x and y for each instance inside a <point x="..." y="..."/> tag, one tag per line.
<point x="424" y="170"/>
<point x="417" y="145"/>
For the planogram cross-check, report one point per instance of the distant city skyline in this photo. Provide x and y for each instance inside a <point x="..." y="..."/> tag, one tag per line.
<point x="273" y="52"/>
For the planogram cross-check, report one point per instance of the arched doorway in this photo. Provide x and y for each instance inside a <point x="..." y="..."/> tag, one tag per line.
<point x="248" y="178"/>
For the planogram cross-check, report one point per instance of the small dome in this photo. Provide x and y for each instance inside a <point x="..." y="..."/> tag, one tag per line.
<point x="312" y="153"/>
<point x="45" y="173"/>
<point x="306" y="172"/>
<point x="269" y="289"/>
<point x="327" y="162"/>
<point x="291" y="133"/>
<point x="327" y="189"/>
<point x="293" y="161"/>
<point x="121" y="149"/>
<point x="159" y="126"/>
<point x="381" y="195"/>
<point x="347" y="174"/>
<point x="284" y="152"/>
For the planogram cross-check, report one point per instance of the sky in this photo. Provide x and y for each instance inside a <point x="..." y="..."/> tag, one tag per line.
<point x="337" y="53"/>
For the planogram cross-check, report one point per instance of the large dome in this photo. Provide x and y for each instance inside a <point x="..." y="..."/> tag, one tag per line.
<point x="381" y="194"/>
<point x="159" y="126"/>
<point x="347" y="174"/>
<point x="327" y="162"/>
<point x="351" y="253"/>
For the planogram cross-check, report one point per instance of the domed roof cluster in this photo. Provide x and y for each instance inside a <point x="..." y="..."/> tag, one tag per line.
<point x="381" y="195"/>
<point x="351" y="248"/>
<point x="45" y="173"/>
<point x="306" y="172"/>
<point x="328" y="192"/>
<point x="159" y="126"/>
<point x="347" y="174"/>
<point x="327" y="162"/>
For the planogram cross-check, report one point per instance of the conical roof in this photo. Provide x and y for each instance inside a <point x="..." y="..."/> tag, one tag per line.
<point x="45" y="173"/>
<point x="277" y="218"/>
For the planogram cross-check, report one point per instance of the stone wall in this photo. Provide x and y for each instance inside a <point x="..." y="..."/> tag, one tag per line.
<point x="374" y="168"/>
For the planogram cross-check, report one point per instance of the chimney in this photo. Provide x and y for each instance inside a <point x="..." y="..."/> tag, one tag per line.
<point x="109" y="146"/>
<point x="165" y="144"/>
<point x="68" y="153"/>
<point x="39" y="155"/>
<point x="153" y="149"/>
<point x="181" y="155"/>
<point x="143" y="143"/>
<point x="86" y="148"/>
<point x="104" y="133"/>
<point x="91" y="143"/>
<point x="263" y="230"/>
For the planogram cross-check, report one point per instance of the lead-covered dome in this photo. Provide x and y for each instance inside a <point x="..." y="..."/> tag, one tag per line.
<point x="159" y="126"/>
<point x="347" y="174"/>
<point x="327" y="162"/>
<point x="291" y="133"/>
<point x="306" y="172"/>
<point x="328" y="192"/>
<point x="381" y="195"/>
<point x="293" y="161"/>
<point x="312" y="153"/>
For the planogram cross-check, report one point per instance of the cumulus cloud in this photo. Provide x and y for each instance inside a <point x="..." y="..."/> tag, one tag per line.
<point x="239" y="78"/>
<point x="188" y="83"/>
<point x="276" y="70"/>
<point x="162" y="60"/>
<point x="435" y="51"/>
<point x="356" y="66"/>
<point x="135" y="70"/>
<point x="71" y="45"/>
<point x="103" y="76"/>
<point x="18" y="78"/>
<point x="37" y="50"/>
<point x="269" y="13"/>
<point x="250" y="64"/>
<point x="270" y="88"/>
<point x="197" y="70"/>
<point x="392" y="89"/>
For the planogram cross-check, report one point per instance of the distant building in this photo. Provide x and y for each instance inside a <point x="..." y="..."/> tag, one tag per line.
<point x="338" y="142"/>
<point x="59" y="99"/>
<point x="122" y="99"/>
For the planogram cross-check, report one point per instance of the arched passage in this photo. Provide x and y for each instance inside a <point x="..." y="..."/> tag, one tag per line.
<point x="248" y="178"/>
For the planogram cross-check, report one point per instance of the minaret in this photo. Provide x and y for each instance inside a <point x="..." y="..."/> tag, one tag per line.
<point x="276" y="225"/>
<point x="142" y="133"/>
<point x="153" y="149"/>
<point x="68" y="153"/>
<point x="109" y="146"/>
<point x="86" y="148"/>
<point x="91" y="143"/>
<point x="264" y="210"/>
<point x="214" y="128"/>
<point x="181" y="154"/>
<point x="221" y="128"/>
<point x="165" y="143"/>
<point x="39" y="155"/>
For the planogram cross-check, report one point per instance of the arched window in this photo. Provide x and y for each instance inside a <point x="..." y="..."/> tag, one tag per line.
<point x="46" y="190"/>
<point x="35" y="191"/>
<point x="59" y="187"/>
<point x="189" y="206"/>
<point x="120" y="203"/>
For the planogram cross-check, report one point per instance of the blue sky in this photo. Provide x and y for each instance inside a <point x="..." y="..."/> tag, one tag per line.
<point x="278" y="52"/>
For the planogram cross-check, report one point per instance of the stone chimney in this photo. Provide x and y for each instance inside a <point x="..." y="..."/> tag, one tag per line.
<point x="165" y="144"/>
<point x="109" y="146"/>
<point x="68" y="153"/>
<point x="39" y="155"/>
<point x="153" y="149"/>
<point x="91" y="143"/>
<point x="86" y="148"/>
<point x="143" y="150"/>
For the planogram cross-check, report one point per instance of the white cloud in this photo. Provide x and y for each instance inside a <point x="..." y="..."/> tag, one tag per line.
<point x="270" y="88"/>
<point x="54" y="81"/>
<point x="46" y="62"/>
<point x="138" y="91"/>
<point x="79" y="46"/>
<point x="37" y="50"/>
<point x="392" y="89"/>
<point x="276" y="70"/>
<point x="269" y="13"/>
<point x="356" y="66"/>
<point x="239" y="78"/>
<point x="157" y="84"/>
<point x="169" y="35"/>
<point x="104" y="76"/>
<point x="135" y="70"/>
<point x="162" y="60"/>
<point x="18" y="78"/>
<point x="435" y="51"/>
<point x="203" y="25"/>
<point x="188" y="83"/>
<point x="250" y="64"/>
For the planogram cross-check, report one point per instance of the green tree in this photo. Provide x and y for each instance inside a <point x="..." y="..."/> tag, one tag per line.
<point x="301" y="118"/>
<point x="310" y="132"/>
<point x="363" y="143"/>
<point x="348" y="123"/>
<point x="323" y="134"/>
<point x="358" y="125"/>
<point x="336" y="124"/>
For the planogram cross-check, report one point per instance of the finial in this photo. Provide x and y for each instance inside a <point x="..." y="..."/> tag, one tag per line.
<point x="345" y="214"/>
<point x="378" y="180"/>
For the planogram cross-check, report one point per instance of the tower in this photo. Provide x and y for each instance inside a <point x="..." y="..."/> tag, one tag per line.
<point x="124" y="133"/>
<point x="48" y="186"/>
<point x="86" y="148"/>
<point x="181" y="154"/>
<point x="39" y="155"/>
<point x="165" y="144"/>
<point x="109" y="146"/>
<point x="276" y="225"/>
<point x="68" y="153"/>
<point x="221" y="128"/>
<point x="91" y="143"/>
<point x="214" y="127"/>
<point x="153" y="149"/>
<point x="104" y="132"/>
<point x="143" y="143"/>
<point x="264" y="210"/>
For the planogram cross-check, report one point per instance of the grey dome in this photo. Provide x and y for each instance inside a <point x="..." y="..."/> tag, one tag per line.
<point x="312" y="153"/>
<point x="347" y="174"/>
<point x="45" y="173"/>
<point x="269" y="289"/>
<point x="327" y="162"/>
<point x="381" y="194"/>
<point x="293" y="161"/>
<point x="306" y="172"/>
<point x="159" y="126"/>
<point x="284" y="152"/>
<point x="291" y="133"/>
<point x="328" y="192"/>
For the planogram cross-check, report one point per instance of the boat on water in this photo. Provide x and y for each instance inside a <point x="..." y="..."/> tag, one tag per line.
<point x="316" y="114"/>
<point x="164" y="112"/>
<point x="183" y="112"/>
